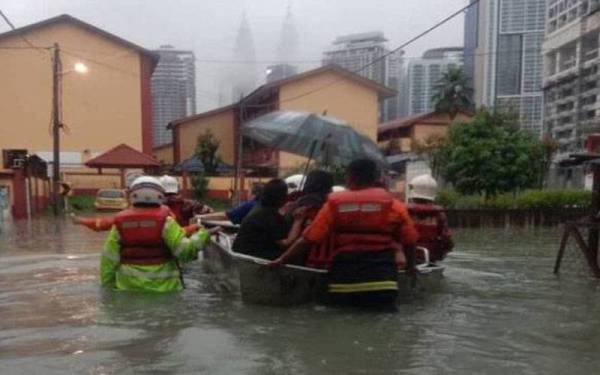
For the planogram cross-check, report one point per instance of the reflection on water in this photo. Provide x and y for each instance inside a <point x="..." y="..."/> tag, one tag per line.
<point x="500" y="311"/>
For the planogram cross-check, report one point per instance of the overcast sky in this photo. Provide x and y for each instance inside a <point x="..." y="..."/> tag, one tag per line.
<point x="208" y="27"/>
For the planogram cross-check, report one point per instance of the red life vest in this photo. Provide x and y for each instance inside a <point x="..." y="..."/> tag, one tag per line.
<point x="427" y="222"/>
<point x="176" y="203"/>
<point x="140" y="231"/>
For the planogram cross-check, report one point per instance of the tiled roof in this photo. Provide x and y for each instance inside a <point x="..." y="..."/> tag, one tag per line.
<point x="122" y="156"/>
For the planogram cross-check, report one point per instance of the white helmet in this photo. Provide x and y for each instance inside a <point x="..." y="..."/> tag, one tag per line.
<point x="170" y="184"/>
<point x="423" y="187"/>
<point x="295" y="182"/>
<point x="146" y="190"/>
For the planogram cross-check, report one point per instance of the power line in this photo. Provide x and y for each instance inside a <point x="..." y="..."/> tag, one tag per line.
<point x="10" y="24"/>
<point x="25" y="48"/>
<point x="12" y="27"/>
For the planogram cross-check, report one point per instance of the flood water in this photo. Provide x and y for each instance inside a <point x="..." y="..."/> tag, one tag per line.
<point x="500" y="311"/>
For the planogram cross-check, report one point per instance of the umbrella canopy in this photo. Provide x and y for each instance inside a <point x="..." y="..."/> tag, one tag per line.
<point x="323" y="138"/>
<point x="190" y="165"/>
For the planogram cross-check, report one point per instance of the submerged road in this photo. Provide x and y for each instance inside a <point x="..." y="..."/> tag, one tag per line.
<point x="500" y="311"/>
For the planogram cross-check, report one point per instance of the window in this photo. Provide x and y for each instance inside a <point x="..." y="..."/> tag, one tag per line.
<point x="509" y="64"/>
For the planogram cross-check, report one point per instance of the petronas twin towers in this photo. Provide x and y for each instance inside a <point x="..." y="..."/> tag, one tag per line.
<point x="244" y="74"/>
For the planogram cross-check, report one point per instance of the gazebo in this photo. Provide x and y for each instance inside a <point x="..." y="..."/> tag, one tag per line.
<point x="123" y="157"/>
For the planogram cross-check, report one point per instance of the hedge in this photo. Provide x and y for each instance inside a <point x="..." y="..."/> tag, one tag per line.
<point x="529" y="199"/>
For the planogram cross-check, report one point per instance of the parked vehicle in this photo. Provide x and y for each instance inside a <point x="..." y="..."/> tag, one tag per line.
<point x="111" y="199"/>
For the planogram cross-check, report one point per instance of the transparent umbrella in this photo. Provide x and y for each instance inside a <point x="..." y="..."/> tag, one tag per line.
<point x="318" y="137"/>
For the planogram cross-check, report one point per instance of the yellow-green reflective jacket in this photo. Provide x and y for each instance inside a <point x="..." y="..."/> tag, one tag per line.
<point x="164" y="277"/>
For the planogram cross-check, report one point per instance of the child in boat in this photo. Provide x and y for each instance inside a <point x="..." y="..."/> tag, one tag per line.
<point x="264" y="232"/>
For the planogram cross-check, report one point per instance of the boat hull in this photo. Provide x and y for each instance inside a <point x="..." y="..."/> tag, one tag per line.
<point x="291" y="284"/>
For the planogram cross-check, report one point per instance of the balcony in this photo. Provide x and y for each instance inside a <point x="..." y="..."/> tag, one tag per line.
<point x="590" y="55"/>
<point x="263" y="157"/>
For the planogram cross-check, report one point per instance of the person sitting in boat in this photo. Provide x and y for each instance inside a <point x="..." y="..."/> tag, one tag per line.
<point x="264" y="233"/>
<point x="430" y="220"/>
<point x="362" y="227"/>
<point x="145" y="244"/>
<point x="317" y="187"/>
<point x="184" y="209"/>
<point x="237" y="214"/>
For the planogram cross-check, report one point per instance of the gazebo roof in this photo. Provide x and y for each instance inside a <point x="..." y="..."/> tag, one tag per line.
<point x="123" y="156"/>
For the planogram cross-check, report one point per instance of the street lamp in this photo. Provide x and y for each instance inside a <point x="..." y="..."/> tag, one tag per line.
<point x="80" y="68"/>
<point x="57" y="73"/>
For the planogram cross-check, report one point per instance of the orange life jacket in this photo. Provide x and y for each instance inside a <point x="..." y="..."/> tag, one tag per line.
<point x="360" y="224"/>
<point x="140" y="231"/>
<point x="430" y="228"/>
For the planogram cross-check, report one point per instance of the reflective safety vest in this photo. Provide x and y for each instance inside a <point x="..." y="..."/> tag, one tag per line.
<point x="361" y="220"/>
<point x="140" y="232"/>
<point x="427" y="219"/>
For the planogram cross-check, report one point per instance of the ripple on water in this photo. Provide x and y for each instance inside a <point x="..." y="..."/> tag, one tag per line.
<point x="500" y="310"/>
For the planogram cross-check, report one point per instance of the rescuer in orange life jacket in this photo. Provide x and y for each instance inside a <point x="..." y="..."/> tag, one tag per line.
<point x="430" y="220"/>
<point x="182" y="209"/>
<point x="363" y="227"/>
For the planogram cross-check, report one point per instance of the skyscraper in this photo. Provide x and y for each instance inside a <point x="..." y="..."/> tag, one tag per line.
<point x="287" y="50"/>
<point x="505" y="59"/>
<point x="173" y="90"/>
<point x="423" y="75"/>
<point x="354" y="52"/>
<point x="571" y="63"/>
<point x="243" y="76"/>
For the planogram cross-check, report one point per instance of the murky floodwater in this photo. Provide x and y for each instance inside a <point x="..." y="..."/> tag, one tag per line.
<point x="500" y="311"/>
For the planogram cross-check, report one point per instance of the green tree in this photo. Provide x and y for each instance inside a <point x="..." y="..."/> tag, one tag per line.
<point x="491" y="155"/>
<point x="199" y="186"/>
<point x="453" y="92"/>
<point x="207" y="146"/>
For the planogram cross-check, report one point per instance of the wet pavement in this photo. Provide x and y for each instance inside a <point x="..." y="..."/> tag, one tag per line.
<point x="500" y="310"/>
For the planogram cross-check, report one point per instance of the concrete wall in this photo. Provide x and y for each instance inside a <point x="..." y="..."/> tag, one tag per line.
<point x="164" y="154"/>
<point x="89" y="183"/>
<point x="101" y="108"/>
<point x="340" y="97"/>
<point x="220" y="124"/>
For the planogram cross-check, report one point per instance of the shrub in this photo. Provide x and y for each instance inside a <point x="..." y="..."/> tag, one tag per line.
<point x="529" y="199"/>
<point x="81" y="203"/>
<point x="199" y="186"/>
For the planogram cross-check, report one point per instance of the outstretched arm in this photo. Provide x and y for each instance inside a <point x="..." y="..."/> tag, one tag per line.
<point x="98" y="224"/>
<point x="299" y="246"/>
<point x="183" y="248"/>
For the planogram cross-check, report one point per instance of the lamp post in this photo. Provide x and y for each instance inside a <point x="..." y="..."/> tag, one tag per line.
<point x="57" y="74"/>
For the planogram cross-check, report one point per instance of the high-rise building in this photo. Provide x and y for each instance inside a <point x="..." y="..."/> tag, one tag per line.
<point x="471" y="39"/>
<point x="243" y="76"/>
<point x="571" y="62"/>
<point x="173" y="90"/>
<point x="280" y="71"/>
<point x="354" y="52"/>
<point x="287" y="50"/>
<point x="503" y="40"/>
<point x="424" y="74"/>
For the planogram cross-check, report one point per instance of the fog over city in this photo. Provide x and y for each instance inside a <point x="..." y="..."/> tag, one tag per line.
<point x="209" y="28"/>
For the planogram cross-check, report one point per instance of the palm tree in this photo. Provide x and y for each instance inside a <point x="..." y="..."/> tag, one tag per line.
<point x="453" y="92"/>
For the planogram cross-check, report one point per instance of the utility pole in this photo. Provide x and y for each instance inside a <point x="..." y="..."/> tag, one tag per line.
<point x="56" y="76"/>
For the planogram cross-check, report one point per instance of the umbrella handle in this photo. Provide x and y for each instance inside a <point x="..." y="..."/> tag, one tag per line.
<point x="312" y="152"/>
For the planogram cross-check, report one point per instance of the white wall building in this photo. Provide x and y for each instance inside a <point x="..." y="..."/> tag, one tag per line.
<point x="572" y="106"/>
